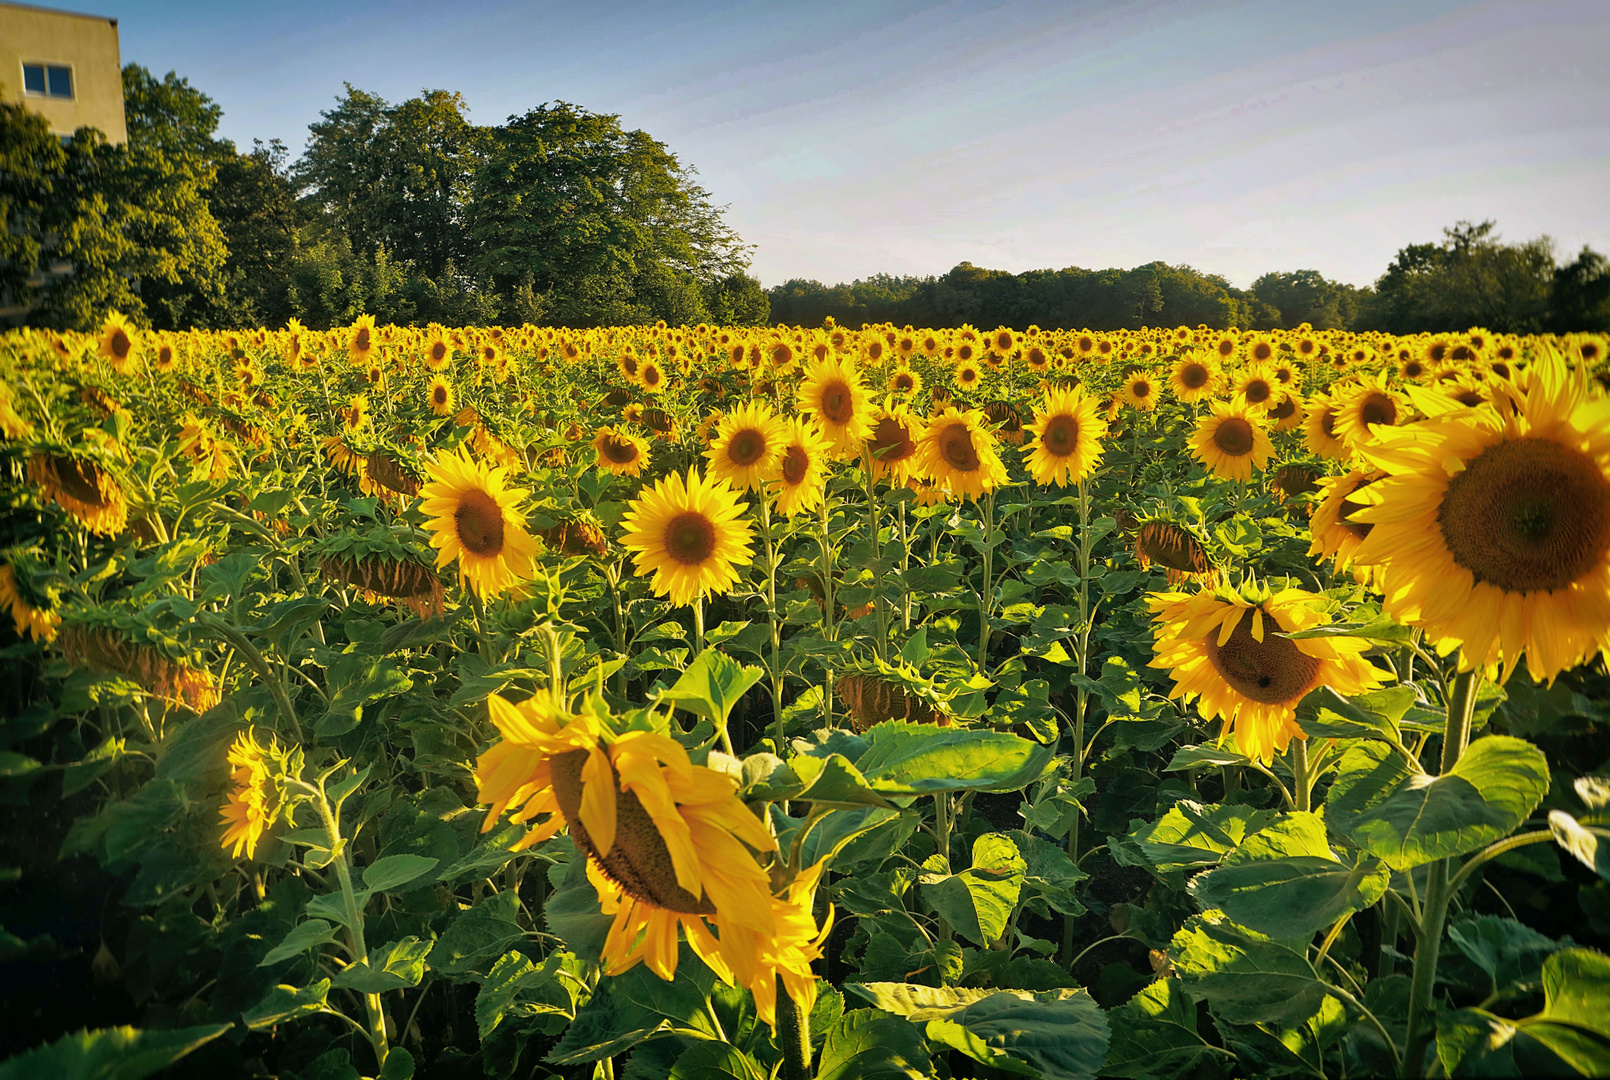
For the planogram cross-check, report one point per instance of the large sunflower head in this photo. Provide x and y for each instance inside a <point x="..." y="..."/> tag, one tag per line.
<point x="620" y="452"/>
<point x="1231" y="442"/>
<point x="747" y="449"/>
<point x="1491" y="528"/>
<point x="1224" y="647"/>
<point x="83" y="487"/>
<point x="474" y="518"/>
<point x="690" y="534"/>
<point x="892" y="449"/>
<point x="802" y="471"/>
<point x="1065" y="443"/>
<point x="959" y="452"/>
<point x="835" y="398"/>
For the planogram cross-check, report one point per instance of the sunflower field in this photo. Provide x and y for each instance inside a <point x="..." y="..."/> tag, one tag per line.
<point x="653" y="701"/>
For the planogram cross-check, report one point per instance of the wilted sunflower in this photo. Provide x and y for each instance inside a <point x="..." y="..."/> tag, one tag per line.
<point x="958" y="451"/>
<point x="747" y="450"/>
<point x="1363" y="410"/>
<point x="1066" y="438"/>
<point x="691" y="534"/>
<point x="1335" y="535"/>
<point x="833" y="395"/>
<point x="1319" y="428"/>
<point x="1140" y="391"/>
<point x="892" y="450"/>
<point x="246" y="812"/>
<point x="1492" y="527"/>
<point x="758" y="960"/>
<point x="1173" y="547"/>
<point x="119" y="343"/>
<point x="620" y="452"/>
<point x="83" y="488"/>
<point x="803" y="470"/>
<point x="1230" y="442"/>
<point x="1226" y="650"/>
<point x="474" y="519"/>
<point x="439" y="392"/>
<point x="905" y="382"/>
<point x="1196" y="377"/>
<point x="668" y="842"/>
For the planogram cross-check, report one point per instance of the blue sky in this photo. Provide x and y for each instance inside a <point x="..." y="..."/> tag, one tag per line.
<point x="880" y="136"/>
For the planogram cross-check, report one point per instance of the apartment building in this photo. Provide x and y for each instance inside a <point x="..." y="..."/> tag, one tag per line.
<point x="63" y="66"/>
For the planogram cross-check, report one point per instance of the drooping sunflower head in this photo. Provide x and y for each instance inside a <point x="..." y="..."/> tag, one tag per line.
<point x="620" y="452"/>
<point x="1287" y="412"/>
<point x="1223" y="647"/>
<point x="959" y="452"/>
<point x="1492" y="528"/>
<point x="747" y="448"/>
<point x="83" y="487"/>
<point x="474" y="518"/>
<point x="1293" y="480"/>
<point x="834" y="396"/>
<point x="1065" y="437"/>
<point x="691" y="534"/>
<point x="1173" y="547"/>
<point x="1231" y="442"/>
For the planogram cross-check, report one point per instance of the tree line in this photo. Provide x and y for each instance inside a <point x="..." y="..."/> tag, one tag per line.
<point x="561" y="216"/>
<point x="1470" y="278"/>
<point x="407" y="212"/>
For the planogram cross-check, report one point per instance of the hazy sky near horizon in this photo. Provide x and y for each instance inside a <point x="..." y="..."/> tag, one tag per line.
<point x="902" y="137"/>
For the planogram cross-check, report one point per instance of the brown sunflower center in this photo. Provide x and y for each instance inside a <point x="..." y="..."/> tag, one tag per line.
<point x="619" y="451"/>
<point x="1061" y="436"/>
<point x="1226" y="347"/>
<point x="838" y="402"/>
<point x="1378" y="408"/>
<point x="479" y="521"/>
<point x="891" y="442"/>
<point x="438" y="394"/>
<point x="120" y="344"/>
<point x="1142" y="389"/>
<point x="690" y="538"/>
<point x="904" y="383"/>
<point x="1284" y="410"/>
<point x="795" y="465"/>
<point x="80" y="479"/>
<point x="1233" y="436"/>
<point x="1262" y="351"/>
<point x="1327" y="423"/>
<point x="438" y="352"/>
<point x="1258" y="391"/>
<point x="638" y="861"/>
<point x="1194" y="376"/>
<point x="1413" y="369"/>
<point x="362" y="340"/>
<point x="1527" y="515"/>
<point x="1273" y="671"/>
<point x="956" y="447"/>
<point x="746" y="447"/>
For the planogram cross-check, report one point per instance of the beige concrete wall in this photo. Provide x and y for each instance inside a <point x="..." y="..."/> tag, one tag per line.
<point x="87" y="44"/>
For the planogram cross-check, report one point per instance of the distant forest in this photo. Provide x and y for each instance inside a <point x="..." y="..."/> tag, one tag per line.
<point x="1470" y="278"/>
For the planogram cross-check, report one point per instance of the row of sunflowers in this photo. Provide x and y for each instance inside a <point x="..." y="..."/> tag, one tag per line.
<point x="700" y="701"/>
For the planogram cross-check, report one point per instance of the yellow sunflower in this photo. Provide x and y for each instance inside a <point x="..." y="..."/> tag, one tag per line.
<point x="1227" y="650"/>
<point x="1195" y="376"/>
<point x="438" y="351"/>
<point x="1259" y="350"/>
<point x="1287" y="412"/>
<point x="958" y="451"/>
<point x="620" y="452"/>
<point x="968" y="376"/>
<point x="668" y="842"/>
<point x="246" y="812"/>
<point x="1492" y="527"/>
<point x="1140" y="391"/>
<point x="1319" y="428"/>
<point x="905" y="382"/>
<point x="83" y="488"/>
<point x="1336" y="536"/>
<point x="37" y="623"/>
<point x="1256" y="389"/>
<point x="691" y="534"/>
<point x="119" y="343"/>
<point x="758" y="960"/>
<point x="1067" y="433"/>
<point x="803" y="470"/>
<point x="439" y="393"/>
<point x="833" y="395"/>
<point x="362" y="340"/>
<point x="892" y="450"/>
<point x="651" y="377"/>
<point x="1367" y="408"/>
<point x="474" y="519"/>
<point x="1230" y="442"/>
<point x="747" y="450"/>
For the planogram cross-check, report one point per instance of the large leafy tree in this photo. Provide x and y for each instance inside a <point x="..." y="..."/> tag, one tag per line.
<point x="1470" y="279"/>
<point x="604" y="224"/>
<point x="1307" y="296"/>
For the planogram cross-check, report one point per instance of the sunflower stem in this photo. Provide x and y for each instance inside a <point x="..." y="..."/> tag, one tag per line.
<point x="556" y="665"/>
<point x="354" y="918"/>
<point x="1428" y="947"/>
<point x="794" y="1033"/>
<point x="874" y="531"/>
<point x="825" y="542"/>
<point x="776" y="629"/>
<point x="905" y="564"/>
<point x="942" y="843"/>
<point x="1301" y="785"/>
<point x="1080" y="697"/>
<point x="698" y="627"/>
<point x="984" y="593"/>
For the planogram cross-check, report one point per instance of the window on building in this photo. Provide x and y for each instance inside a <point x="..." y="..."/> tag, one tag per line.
<point x="52" y="80"/>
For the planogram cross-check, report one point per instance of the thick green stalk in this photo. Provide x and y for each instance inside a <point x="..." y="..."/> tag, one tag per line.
<point x="354" y="914"/>
<point x="942" y="844"/>
<point x="1082" y="647"/>
<point x="794" y="1033"/>
<point x="874" y="537"/>
<point x="1301" y="786"/>
<point x="776" y="627"/>
<point x="984" y="596"/>
<point x="1422" y="1022"/>
<point x="825" y="541"/>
